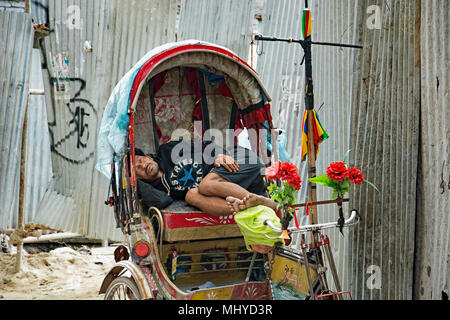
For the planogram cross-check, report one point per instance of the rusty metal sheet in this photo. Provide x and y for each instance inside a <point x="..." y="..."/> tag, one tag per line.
<point x="92" y="45"/>
<point x="16" y="36"/>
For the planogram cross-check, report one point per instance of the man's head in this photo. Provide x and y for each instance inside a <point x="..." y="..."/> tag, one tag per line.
<point x="146" y="168"/>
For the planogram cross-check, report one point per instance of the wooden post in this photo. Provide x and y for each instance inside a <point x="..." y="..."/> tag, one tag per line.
<point x="312" y="192"/>
<point x="309" y="107"/>
<point x="20" y="225"/>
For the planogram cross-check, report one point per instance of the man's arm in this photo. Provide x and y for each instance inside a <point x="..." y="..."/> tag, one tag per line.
<point x="221" y="158"/>
<point x="152" y="197"/>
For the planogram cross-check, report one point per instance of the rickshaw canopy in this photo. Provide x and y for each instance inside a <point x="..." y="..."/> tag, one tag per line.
<point x="173" y="85"/>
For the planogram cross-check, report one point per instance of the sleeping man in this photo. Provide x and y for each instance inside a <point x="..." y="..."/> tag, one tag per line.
<point x="207" y="178"/>
<point x="201" y="173"/>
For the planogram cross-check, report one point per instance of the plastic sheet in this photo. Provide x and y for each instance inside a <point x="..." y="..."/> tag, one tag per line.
<point x="251" y="222"/>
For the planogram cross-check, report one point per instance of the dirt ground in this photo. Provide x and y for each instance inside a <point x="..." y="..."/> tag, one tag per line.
<point x="60" y="274"/>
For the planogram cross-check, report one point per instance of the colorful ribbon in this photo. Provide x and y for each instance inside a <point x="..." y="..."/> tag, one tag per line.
<point x="319" y="134"/>
<point x="306" y="23"/>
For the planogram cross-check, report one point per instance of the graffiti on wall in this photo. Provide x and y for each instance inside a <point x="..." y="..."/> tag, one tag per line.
<point x="70" y="130"/>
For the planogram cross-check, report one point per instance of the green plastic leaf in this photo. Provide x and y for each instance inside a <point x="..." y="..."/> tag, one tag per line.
<point x="322" y="180"/>
<point x="346" y="155"/>
<point x="372" y="185"/>
<point x="335" y="194"/>
<point x="345" y="186"/>
<point x="292" y="200"/>
<point x="272" y="188"/>
<point x="290" y="212"/>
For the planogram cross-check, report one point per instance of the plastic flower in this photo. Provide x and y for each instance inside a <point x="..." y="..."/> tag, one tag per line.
<point x="272" y="171"/>
<point x="295" y="182"/>
<point x="287" y="171"/>
<point x="337" y="171"/>
<point x="338" y="178"/>
<point x="355" y="175"/>
<point x="287" y="174"/>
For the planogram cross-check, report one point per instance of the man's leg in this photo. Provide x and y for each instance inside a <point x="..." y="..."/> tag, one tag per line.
<point x="213" y="185"/>
<point x="216" y="206"/>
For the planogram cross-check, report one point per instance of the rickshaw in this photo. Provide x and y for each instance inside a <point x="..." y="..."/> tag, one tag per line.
<point x="180" y="252"/>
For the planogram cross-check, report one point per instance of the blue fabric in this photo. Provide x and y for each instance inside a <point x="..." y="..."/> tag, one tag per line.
<point x="283" y="156"/>
<point x="212" y="77"/>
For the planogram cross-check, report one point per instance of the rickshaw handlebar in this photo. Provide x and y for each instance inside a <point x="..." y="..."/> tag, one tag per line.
<point x="353" y="219"/>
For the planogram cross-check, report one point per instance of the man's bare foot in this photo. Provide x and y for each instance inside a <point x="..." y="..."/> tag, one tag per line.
<point x="253" y="200"/>
<point x="234" y="204"/>
<point x="250" y="200"/>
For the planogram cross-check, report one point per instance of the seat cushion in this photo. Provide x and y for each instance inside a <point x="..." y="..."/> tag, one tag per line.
<point x="183" y="222"/>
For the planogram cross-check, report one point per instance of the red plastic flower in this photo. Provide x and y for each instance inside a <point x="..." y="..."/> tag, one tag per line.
<point x="272" y="171"/>
<point x="295" y="182"/>
<point x="337" y="171"/>
<point x="287" y="170"/>
<point x="355" y="175"/>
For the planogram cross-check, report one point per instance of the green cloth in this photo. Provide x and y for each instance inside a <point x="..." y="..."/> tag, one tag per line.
<point x="251" y="223"/>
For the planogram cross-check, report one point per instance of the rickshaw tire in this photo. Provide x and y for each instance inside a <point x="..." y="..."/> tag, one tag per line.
<point x="126" y="281"/>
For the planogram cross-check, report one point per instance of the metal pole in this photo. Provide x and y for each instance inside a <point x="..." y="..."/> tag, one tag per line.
<point x="308" y="274"/>
<point x="20" y="225"/>
<point x="22" y="175"/>
<point x="247" y="278"/>
<point x="302" y="42"/>
<point x="332" y="266"/>
<point x="299" y="205"/>
<point x="251" y="51"/>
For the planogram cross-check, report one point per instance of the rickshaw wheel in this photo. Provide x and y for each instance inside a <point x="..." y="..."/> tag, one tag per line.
<point x="123" y="288"/>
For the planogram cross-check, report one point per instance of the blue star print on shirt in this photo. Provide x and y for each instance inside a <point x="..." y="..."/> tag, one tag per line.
<point x="187" y="176"/>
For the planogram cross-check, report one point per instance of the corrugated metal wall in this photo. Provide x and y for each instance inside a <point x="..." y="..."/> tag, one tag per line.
<point x="38" y="170"/>
<point x="16" y="36"/>
<point x="39" y="11"/>
<point x="368" y="101"/>
<point x="432" y="271"/>
<point x="280" y="69"/>
<point x="384" y="139"/>
<point x="226" y="23"/>
<point x="78" y="83"/>
<point x="12" y="6"/>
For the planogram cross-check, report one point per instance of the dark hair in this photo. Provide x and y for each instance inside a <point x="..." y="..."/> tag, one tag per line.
<point x="138" y="152"/>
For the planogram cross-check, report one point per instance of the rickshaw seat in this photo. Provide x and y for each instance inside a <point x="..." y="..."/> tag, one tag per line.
<point x="183" y="222"/>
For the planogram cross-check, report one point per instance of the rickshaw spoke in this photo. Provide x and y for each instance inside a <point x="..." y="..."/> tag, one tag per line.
<point x="123" y="289"/>
<point x="123" y="292"/>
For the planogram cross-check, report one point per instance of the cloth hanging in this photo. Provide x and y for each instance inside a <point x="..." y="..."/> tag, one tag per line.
<point x="319" y="134"/>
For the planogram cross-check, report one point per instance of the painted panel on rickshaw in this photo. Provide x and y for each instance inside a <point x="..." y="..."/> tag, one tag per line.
<point x="246" y="291"/>
<point x="289" y="280"/>
<point x="223" y="293"/>
<point x="198" y="225"/>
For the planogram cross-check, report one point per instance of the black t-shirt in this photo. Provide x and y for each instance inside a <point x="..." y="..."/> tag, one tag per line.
<point x="184" y="165"/>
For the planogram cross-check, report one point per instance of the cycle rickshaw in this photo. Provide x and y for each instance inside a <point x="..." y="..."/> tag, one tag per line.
<point x="179" y="252"/>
